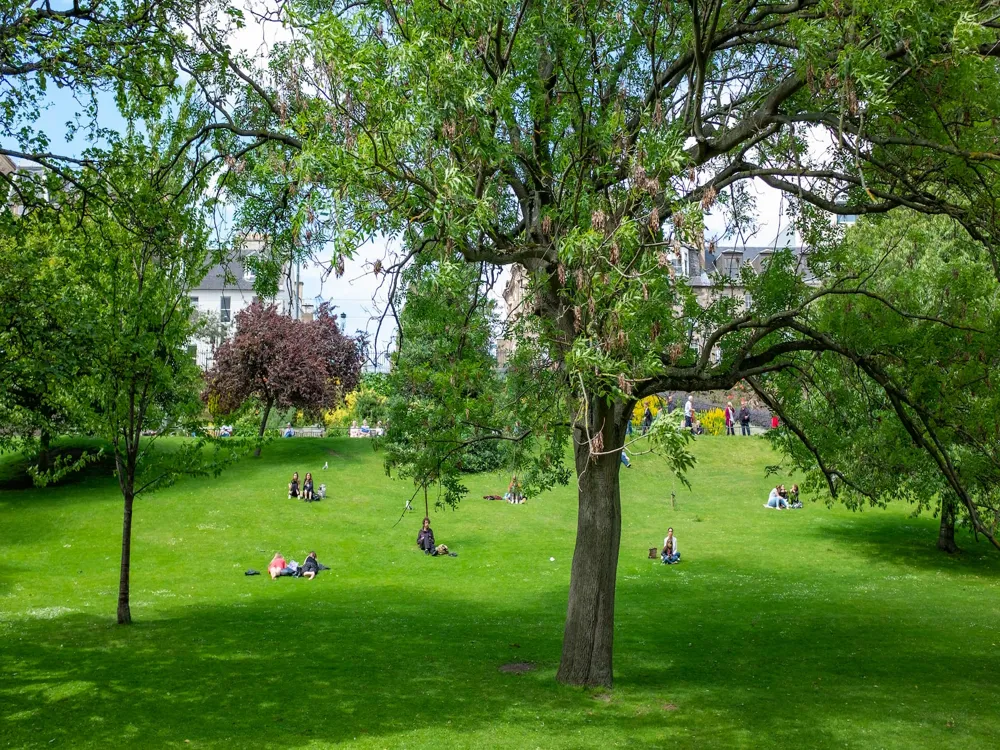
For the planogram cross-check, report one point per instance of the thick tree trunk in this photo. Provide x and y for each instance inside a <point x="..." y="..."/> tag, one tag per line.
<point x="124" y="612"/>
<point x="263" y="425"/>
<point x="946" y="534"/>
<point x="590" y="616"/>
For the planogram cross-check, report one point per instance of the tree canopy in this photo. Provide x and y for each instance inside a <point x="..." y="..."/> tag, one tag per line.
<point x="445" y="394"/>
<point x="283" y="362"/>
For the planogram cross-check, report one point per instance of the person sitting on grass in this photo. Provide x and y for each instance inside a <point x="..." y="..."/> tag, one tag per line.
<point x="793" y="497"/>
<point x="307" y="488"/>
<point x="311" y="566"/>
<point x="425" y="539"/>
<point x="293" y="486"/>
<point x="514" y="495"/>
<point x="777" y="498"/>
<point x="671" y="556"/>
<point x="276" y="566"/>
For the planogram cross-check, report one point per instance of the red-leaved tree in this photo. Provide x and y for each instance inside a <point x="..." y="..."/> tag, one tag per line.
<point x="283" y="362"/>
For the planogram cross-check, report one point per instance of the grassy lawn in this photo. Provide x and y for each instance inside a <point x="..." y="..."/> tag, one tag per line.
<point x="799" y="629"/>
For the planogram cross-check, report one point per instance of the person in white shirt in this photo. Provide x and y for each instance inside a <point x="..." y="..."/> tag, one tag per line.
<point x="670" y="555"/>
<point x="688" y="412"/>
<point x="777" y="498"/>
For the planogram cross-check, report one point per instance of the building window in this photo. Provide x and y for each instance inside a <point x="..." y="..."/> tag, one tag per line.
<point x="847" y="218"/>
<point x="224" y="308"/>
<point x="248" y="267"/>
<point x="194" y="302"/>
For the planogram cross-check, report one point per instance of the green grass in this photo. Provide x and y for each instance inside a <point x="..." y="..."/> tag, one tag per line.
<point x="802" y="629"/>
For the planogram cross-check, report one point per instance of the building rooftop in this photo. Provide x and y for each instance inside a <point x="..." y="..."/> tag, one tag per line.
<point x="727" y="261"/>
<point x="227" y="276"/>
<point x="233" y="275"/>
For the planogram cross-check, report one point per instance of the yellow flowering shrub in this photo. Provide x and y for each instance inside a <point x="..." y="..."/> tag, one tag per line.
<point x="713" y="422"/>
<point x="654" y="404"/>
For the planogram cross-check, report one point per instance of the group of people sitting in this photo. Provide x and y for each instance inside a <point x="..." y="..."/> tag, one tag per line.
<point x="305" y="491"/>
<point x="278" y="567"/>
<point x="365" y="431"/>
<point x="425" y="541"/>
<point x="782" y="499"/>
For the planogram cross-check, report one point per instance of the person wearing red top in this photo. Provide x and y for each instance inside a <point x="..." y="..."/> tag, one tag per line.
<point x="276" y="566"/>
<point x="730" y="414"/>
<point x="774" y="421"/>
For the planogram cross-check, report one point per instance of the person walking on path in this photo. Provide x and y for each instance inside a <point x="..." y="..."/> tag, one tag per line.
<point x="688" y="412"/>
<point x="730" y="419"/>
<point x="647" y="420"/>
<point x="744" y="418"/>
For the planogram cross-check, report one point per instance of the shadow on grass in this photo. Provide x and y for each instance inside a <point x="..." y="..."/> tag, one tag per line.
<point x="348" y="664"/>
<point x="912" y="543"/>
<point x="14" y="466"/>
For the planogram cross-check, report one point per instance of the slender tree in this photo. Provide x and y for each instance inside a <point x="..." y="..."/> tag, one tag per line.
<point x="137" y="251"/>
<point x="444" y="391"/>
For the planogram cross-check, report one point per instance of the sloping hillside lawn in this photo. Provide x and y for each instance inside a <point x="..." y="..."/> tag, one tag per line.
<point x="816" y="628"/>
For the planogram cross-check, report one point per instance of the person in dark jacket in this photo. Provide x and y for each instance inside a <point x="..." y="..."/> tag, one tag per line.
<point x="310" y="567"/>
<point x="744" y="418"/>
<point x="425" y="539"/>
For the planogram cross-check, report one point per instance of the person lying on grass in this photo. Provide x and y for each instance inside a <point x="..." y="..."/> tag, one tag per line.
<point x="307" y="488"/>
<point x="293" y="486"/>
<point x="311" y="565"/>
<point x="276" y="566"/>
<point x="671" y="555"/>
<point x="777" y="498"/>
<point x="425" y="539"/>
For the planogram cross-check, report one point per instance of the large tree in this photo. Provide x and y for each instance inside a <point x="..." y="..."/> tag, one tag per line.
<point x="940" y="337"/>
<point x="586" y="141"/>
<point x="282" y="362"/>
